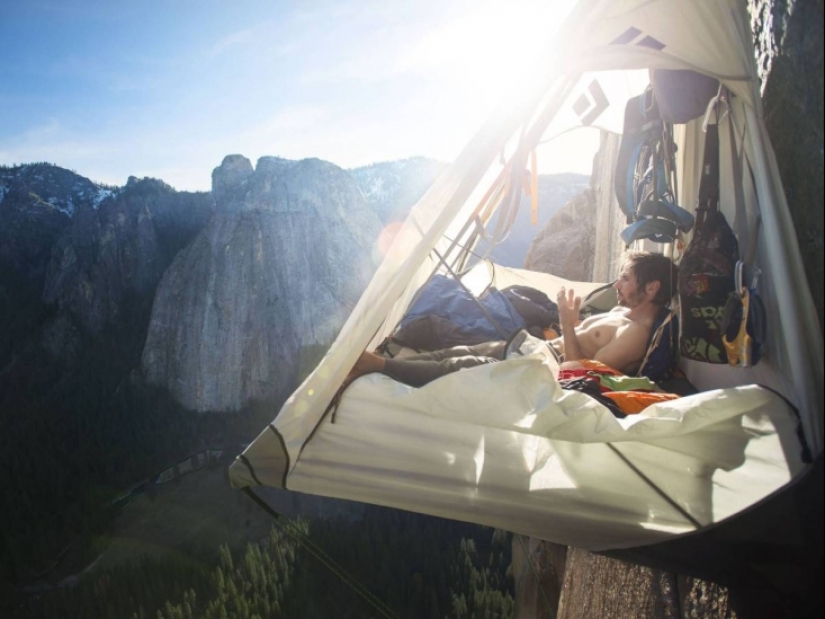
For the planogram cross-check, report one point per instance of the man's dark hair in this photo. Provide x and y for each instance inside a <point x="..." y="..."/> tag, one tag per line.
<point x="650" y="267"/>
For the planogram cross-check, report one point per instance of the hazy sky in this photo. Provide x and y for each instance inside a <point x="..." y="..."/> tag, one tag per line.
<point x="167" y="88"/>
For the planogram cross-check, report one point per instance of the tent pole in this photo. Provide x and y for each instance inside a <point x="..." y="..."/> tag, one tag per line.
<point x="487" y="315"/>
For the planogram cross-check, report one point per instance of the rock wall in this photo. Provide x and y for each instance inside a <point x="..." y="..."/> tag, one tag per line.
<point x="581" y="240"/>
<point x="789" y="50"/>
<point x="119" y="248"/>
<point x="564" y="246"/>
<point x="36" y="202"/>
<point x="270" y="279"/>
<point x="596" y="586"/>
<point x="78" y="259"/>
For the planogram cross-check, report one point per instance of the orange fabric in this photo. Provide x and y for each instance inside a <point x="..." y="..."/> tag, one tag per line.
<point x="632" y="402"/>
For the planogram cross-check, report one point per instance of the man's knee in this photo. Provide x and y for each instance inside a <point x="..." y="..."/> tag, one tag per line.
<point x="454" y="364"/>
<point x="495" y="350"/>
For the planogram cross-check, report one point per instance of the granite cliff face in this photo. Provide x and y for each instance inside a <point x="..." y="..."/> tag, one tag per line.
<point x="581" y="240"/>
<point x="565" y="245"/>
<point x="789" y="51"/>
<point x="75" y="256"/>
<point x="119" y="247"/>
<point x="555" y="190"/>
<point x="264" y="287"/>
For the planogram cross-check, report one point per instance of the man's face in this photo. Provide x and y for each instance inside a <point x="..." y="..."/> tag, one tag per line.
<point x="628" y="293"/>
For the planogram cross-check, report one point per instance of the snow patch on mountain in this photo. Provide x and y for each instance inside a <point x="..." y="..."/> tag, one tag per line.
<point x="101" y="195"/>
<point x="391" y="188"/>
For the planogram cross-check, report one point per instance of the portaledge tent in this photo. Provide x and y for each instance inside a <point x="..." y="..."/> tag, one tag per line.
<point x="502" y="445"/>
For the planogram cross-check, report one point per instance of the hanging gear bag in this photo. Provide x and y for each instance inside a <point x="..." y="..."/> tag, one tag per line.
<point x="707" y="268"/>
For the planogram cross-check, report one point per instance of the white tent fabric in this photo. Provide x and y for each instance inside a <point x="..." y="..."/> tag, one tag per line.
<point x="500" y="444"/>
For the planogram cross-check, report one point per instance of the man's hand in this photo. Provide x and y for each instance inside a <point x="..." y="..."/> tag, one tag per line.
<point x="569" y="306"/>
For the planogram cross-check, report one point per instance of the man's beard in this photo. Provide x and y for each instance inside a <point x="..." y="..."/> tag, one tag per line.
<point x="631" y="301"/>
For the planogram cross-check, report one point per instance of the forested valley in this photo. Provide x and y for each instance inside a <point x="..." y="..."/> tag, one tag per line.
<point x="401" y="564"/>
<point x="73" y="452"/>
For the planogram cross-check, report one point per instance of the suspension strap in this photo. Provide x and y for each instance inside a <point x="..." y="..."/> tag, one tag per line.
<point x="536" y="576"/>
<point x="303" y="541"/>
<point x="534" y="189"/>
<point x="740" y="222"/>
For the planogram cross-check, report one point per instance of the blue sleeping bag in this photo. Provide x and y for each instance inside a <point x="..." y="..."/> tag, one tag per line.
<point x="445" y="298"/>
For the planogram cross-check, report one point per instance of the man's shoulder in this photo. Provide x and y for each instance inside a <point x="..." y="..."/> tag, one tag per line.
<point x="618" y="317"/>
<point x="633" y="329"/>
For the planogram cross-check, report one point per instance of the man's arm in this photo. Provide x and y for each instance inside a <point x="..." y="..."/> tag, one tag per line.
<point x="626" y="350"/>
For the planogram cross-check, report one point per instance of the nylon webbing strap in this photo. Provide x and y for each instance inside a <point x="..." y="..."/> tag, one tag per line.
<point x="534" y="189"/>
<point x="504" y="221"/>
<point x="740" y="222"/>
<point x="323" y="557"/>
<point x="709" y="182"/>
<point x="670" y="167"/>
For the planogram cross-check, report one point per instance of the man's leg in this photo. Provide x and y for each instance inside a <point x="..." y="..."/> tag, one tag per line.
<point x="485" y="349"/>
<point x="418" y="370"/>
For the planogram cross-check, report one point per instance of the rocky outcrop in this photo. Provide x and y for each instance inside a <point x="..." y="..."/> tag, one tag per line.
<point x="573" y="583"/>
<point x="579" y="241"/>
<point x="271" y="278"/>
<point x="596" y="586"/>
<point x="36" y="205"/>
<point x="119" y="248"/>
<point x="789" y="50"/>
<point x="554" y="191"/>
<point x="564" y="246"/>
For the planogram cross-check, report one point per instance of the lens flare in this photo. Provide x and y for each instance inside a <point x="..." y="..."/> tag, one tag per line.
<point x="385" y="240"/>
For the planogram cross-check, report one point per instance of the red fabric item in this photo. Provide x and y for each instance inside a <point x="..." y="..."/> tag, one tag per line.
<point x="589" y="368"/>
<point x="578" y="373"/>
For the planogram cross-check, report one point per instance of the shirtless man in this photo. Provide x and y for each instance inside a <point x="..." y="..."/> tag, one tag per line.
<point x="618" y="338"/>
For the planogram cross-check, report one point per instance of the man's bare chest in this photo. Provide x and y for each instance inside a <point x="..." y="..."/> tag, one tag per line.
<point x="597" y="332"/>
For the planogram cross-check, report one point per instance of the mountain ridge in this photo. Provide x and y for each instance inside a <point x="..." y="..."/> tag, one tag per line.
<point x="273" y="265"/>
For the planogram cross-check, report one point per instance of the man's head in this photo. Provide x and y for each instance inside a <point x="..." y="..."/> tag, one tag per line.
<point x="646" y="276"/>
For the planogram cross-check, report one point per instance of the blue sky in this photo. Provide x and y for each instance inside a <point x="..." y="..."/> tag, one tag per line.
<point x="167" y="88"/>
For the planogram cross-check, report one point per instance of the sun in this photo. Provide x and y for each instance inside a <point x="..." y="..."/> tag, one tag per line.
<point x="481" y="55"/>
<point x="494" y="42"/>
